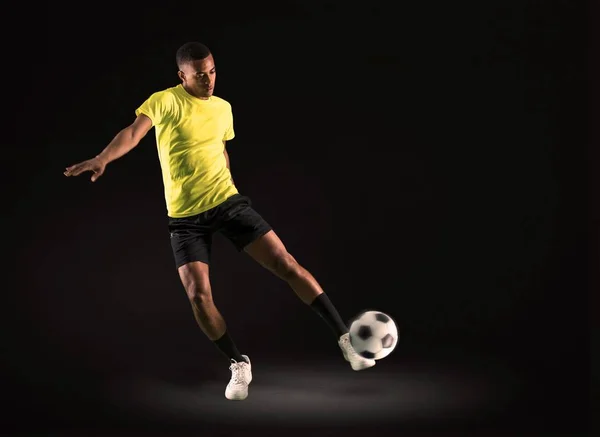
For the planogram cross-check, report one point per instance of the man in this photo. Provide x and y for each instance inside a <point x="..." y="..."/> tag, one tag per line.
<point x="192" y="126"/>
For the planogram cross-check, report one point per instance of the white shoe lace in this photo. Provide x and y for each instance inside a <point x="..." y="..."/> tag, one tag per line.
<point x="351" y="350"/>
<point x="238" y="375"/>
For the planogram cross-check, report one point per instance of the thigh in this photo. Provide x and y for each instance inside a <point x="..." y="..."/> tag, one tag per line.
<point x="191" y="240"/>
<point x="241" y="224"/>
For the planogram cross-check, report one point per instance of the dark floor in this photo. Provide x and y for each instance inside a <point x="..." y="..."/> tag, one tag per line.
<point x="322" y="401"/>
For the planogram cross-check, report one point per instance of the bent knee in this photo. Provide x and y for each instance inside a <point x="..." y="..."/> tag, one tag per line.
<point x="196" y="284"/>
<point x="286" y="266"/>
<point x="199" y="294"/>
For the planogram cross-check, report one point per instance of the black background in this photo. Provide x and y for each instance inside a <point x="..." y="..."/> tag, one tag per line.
<point x="421" y="158"/>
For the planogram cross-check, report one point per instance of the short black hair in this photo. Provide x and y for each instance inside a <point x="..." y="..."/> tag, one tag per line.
<point x="191" y="51"/>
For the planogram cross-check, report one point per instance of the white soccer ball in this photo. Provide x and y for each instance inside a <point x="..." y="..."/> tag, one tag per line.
<point x="373" y="334"/>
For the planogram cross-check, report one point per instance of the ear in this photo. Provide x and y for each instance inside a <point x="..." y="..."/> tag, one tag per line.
<point x="181" y="75"/>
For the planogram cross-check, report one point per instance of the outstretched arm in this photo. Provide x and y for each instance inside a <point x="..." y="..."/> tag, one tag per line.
<point x="120" y="145"/>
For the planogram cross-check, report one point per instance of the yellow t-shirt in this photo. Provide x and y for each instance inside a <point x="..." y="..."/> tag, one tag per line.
<point x="189" y="137"/>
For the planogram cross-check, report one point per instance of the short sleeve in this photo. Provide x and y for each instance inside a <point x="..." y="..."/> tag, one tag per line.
<point x="153" y="108"/>
<point x="229" y="132"/>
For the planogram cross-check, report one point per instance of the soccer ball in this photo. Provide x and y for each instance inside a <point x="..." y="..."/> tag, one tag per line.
<point x="373" y="334"/>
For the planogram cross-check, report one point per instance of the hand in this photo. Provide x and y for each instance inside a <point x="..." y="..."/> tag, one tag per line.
<point x="95" y="165"/>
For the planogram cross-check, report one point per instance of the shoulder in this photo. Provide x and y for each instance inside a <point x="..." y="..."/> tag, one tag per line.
<point x="167" y="94"/>
<point x="221" y="101"/>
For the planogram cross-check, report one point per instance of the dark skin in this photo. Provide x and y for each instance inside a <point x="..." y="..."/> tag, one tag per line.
<point x="198" y="79"/>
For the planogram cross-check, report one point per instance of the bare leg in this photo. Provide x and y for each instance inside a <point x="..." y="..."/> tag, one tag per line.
<point x="270" y="252"/>
<point x="195" y="279"/>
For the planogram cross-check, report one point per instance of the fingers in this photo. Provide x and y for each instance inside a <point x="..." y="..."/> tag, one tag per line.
<point x="90" y="165"/>
<point x="72" y="170"/>
<point x="76" y="170"/>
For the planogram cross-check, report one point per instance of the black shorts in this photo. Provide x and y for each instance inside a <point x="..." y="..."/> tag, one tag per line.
<point x="191" y="237"/>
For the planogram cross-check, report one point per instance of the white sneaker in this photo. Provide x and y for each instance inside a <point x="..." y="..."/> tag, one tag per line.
<point x="241" y="376"/>
<point x="356" y="361"/>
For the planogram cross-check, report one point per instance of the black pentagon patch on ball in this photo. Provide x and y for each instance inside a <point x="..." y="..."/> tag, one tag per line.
<point x="367" y="354"/>
<point x="387" y="341"/>
<point x="364" y="332"/>
<point x="382" y="318"/>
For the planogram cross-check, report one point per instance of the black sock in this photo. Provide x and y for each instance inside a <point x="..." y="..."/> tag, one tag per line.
<point x="324" y="308"/>
<point x="227" y="346"/>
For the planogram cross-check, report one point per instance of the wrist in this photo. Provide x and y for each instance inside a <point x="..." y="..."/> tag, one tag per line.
<point x="103" y="160"/>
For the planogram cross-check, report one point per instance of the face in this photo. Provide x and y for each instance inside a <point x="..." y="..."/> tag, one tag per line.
<point x="198" y="77"/>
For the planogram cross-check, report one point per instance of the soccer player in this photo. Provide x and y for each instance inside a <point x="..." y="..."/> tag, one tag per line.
<point x="192" y="126"/>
